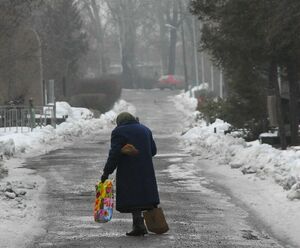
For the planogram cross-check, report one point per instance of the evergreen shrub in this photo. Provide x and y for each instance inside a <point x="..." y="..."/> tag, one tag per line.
<point x="235" y="111"/>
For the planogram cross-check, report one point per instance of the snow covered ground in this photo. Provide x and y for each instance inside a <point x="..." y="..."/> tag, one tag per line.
<point x="266" y="179"/>
<point x="20" y="188"/>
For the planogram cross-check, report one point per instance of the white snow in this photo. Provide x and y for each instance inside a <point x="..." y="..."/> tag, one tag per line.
<point x="20" y="189"/>
<point x="265" y="178"/>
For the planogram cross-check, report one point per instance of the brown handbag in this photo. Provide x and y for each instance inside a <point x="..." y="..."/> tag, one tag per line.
<point x="155" y="221"/>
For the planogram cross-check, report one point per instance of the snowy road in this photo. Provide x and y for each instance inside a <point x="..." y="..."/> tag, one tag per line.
<point x="199" y="215"/>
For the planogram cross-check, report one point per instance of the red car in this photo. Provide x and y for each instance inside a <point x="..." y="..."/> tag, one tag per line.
<point x="170" y="82"/>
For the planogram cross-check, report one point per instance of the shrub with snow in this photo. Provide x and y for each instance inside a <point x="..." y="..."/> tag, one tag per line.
<point x="7" y="147"/>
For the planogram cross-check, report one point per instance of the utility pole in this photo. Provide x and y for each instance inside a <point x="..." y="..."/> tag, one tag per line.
<point x="195" y="52"/>
<point x="202" y="60"/>
<point x="279" y="78"/>
<point x="212" y="77"/>
<point x="202" y="68"/>
<point x="184" y="60"/>
<point x="186" y="87"/>
<point x="221" y="83"/>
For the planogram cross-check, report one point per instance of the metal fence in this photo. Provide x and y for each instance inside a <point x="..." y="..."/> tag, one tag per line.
<point x="24" y="118"/>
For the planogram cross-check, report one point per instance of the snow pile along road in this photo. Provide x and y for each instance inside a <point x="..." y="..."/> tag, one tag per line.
<point x="80" y="122"/>
<point x="20" y="187"/>
<point x="262" y="160"/>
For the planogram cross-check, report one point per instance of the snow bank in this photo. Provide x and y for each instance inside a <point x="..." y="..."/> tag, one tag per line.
<point x="7" y="147"/>
<point x="19" y="205"/>
<point x="187" y="104"/>
<point x="263" y="160"/>
<point x="79" y="122"/>
<point x="64" y="109"/>
<point x="20" y="188"/>
<point x="271" y="188"/>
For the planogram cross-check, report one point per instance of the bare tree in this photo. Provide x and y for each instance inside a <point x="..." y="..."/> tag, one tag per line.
<point x="96" y="10"/>
<point x="170" y="15"/>
<point x="63" y="42"/>
<point x="124" y="13"/>
<point x="13" y="15"/>
<point x="161" y="10"/>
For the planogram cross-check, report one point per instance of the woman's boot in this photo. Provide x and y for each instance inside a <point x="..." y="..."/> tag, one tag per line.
<point x="138" y="225"/>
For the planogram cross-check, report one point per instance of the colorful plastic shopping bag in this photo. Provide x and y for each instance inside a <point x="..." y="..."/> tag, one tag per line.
<point x="104" y="202"/>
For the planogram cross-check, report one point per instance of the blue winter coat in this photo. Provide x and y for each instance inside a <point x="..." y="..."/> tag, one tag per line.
<point x="136" y="187"/>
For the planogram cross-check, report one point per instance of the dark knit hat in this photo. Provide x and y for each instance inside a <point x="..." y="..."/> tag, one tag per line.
<point x="124" y="117"/>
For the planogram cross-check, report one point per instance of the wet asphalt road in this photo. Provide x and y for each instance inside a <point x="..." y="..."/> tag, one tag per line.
<point x="196" y="218"/>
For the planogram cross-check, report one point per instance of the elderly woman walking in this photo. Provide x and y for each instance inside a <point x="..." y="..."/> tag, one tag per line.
<point x="131" y="152"/>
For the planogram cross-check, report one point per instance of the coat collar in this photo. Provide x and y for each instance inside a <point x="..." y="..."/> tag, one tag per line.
<point x="128" y="123"/>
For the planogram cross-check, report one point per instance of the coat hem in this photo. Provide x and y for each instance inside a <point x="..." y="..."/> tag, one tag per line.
<point x="136" y="208"/>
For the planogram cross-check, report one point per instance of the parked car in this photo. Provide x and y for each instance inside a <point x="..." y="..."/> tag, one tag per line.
<point x="170" y="82"/>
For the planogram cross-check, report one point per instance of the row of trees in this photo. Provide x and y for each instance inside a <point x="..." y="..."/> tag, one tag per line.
<point x="51" y="37"/>
<point x="86" y="37"/>
<point x="253" y="41"/>
<point x="12" y="15"/>
<point x="136" y="32"/>
<point x="63" y="39"/>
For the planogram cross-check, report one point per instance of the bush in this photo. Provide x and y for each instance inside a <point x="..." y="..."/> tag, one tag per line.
<point x="211" y="108"/>
<point x="92" y="101"/>
<point x="203" y="93"/>
<point x="239" y="113"/>
<point x="97" y="93"/>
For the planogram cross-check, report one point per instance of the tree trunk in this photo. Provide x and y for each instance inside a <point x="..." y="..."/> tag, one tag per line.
<point x="293" y="103"/>
<point x="172" y="51"/>
<point x="186" y="85"/>
<point x="100" y="38"/>
<point x="173" y="38"/>
<point x="273" y="79"/>
<point x="163" y="39"/>
<point x="128" y="41"/>
<point x="126" y="72"/>
<point x="10" y="70"/>
<point x="191" y="55"/>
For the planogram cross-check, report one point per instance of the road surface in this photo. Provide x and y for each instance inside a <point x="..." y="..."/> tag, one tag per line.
<point x="196" y="218"/>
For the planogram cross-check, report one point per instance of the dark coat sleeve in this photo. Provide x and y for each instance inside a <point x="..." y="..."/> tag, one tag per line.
<point x="117" y="142"/>
<point x="153" y="146"/>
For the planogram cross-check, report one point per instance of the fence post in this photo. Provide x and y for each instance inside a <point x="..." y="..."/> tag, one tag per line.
<point x="54" y="115"/>
<point x="32" y="114"/>
<point x="45" y="93"/>
<point x="52" y="101"/>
